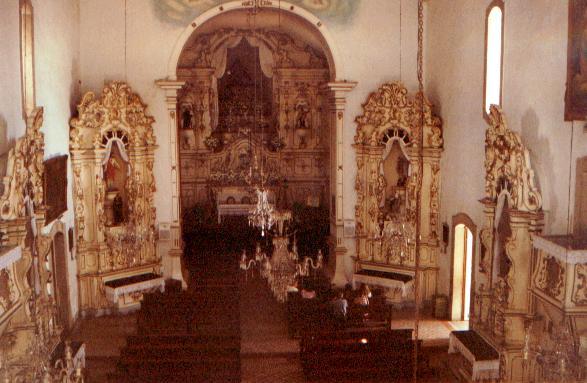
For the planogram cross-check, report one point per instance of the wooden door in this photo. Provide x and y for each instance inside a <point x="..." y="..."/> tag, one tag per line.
<point x="60" y="280"/>
<point x="581" y="198"/>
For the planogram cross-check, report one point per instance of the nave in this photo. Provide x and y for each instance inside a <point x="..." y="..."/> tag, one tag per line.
<point x="225" y="327"/>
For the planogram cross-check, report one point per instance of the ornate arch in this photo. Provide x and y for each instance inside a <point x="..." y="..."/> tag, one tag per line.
<point x="390" y="109"/>
<point x="335" y="61"/>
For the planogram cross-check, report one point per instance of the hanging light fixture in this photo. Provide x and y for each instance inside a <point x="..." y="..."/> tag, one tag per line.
<point x="262" y="215"/>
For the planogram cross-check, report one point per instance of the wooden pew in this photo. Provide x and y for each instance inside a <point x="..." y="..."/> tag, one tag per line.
<point x="303" y="314"/>
<point x="357" y="353"/>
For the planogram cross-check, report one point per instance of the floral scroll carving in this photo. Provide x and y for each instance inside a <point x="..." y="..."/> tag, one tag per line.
<point x="24" y="170"/>
<point x="118" y="106"/>
<point x="507" y="165"/>
<point x="391" y="108"/>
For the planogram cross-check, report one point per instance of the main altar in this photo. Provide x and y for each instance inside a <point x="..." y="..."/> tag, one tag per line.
<point x="252" y="99"/>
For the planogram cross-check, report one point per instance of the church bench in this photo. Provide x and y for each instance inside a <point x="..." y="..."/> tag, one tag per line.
<point x="153" y="340"/>
<point x="180" y="353"/>
<point x="304" y="314"/>
<point x="176" y="377"/>
<point x="356" y="351"/>
<point x="150" y="367"/>
<point x="188" y="371"/>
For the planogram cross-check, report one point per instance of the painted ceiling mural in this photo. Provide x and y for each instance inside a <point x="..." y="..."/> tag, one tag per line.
<point x="182" y="12"/>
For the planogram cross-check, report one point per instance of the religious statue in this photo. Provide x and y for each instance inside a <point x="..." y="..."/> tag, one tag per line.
<point x="302" y="116"/>
<point x="186" y="119"/>
<point x="111" y="167"/>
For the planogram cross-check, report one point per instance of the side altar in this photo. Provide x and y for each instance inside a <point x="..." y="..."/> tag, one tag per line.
<point x="112" y="154"/>
<point x="387" y="151"/>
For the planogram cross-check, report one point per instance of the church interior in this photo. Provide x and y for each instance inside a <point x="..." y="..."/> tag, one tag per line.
<point x="293" y="191"/>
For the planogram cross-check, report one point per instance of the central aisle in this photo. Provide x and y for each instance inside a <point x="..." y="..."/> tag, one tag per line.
<point x="267" y="353"/>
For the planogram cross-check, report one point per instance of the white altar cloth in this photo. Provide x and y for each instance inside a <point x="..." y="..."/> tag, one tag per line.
<point x="406" y="288"/>
<point x="113" y="293"/>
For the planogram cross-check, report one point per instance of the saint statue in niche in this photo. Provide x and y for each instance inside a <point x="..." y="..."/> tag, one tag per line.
<point x="115" y="180"/>
<point x="302" y="116"/>
<point x="112" y="166"/>
<point x="186" y="119"/>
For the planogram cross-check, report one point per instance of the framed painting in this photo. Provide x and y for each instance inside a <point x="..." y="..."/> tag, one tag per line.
<point x="55" y="180"/>
<point x="576" y="95"/>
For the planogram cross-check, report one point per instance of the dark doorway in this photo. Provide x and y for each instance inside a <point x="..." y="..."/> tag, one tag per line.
<point x="60" y="278"/>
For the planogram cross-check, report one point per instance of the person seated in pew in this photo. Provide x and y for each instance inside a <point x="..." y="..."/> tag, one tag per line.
<point x="340" y="306"/>
<point x="362" y="298"/>
<point x="308" y="292"/>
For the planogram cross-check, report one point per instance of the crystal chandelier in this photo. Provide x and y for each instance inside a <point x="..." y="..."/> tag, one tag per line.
<point x="282" y="269"/>
<point x="262" y="216"/>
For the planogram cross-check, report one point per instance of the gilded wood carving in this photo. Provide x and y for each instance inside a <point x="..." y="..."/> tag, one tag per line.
<point x="289" y="129"/>
<point x="112" y="151"/>
<point x="24" y="172"/>
<point x="507" y="165"/>
<point x="386" y="191"/>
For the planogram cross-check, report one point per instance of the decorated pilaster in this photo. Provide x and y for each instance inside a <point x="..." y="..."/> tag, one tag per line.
<point x="172" y="248"/>
<point x="336" y="104"/>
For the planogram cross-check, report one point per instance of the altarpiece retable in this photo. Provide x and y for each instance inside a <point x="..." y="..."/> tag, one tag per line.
<point x="112" y="152"/>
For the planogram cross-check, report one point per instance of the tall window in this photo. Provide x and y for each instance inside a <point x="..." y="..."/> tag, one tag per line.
<point x="493" y="54"/>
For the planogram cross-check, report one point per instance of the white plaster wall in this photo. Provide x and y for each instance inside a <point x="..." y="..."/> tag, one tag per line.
<point x="12" y="124"/>
<point x="535" y="51"/>
<point x="57" y="90"/>
<point x="56" y="44"/>
<point x="369" y="44"/>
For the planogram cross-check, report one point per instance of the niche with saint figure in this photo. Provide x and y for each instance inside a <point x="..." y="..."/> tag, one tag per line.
<point x="395" y="171"/>
<point x="115" y="178"/>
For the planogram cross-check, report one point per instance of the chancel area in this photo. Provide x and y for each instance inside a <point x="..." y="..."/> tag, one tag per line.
<point x="293" y="191"/>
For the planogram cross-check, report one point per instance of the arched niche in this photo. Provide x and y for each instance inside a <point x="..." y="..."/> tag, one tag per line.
<point x="387" y="134"/>
<point x="306" y="23"/>
<point x="395" y="168"/>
